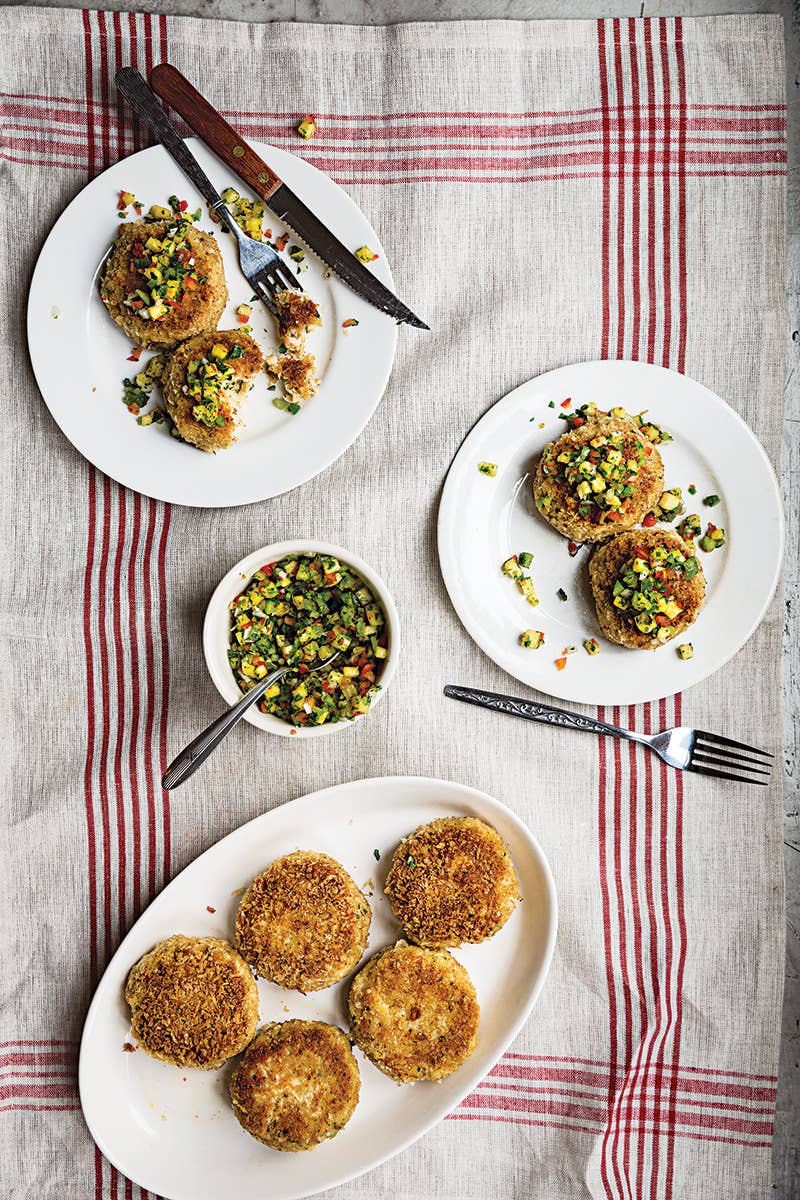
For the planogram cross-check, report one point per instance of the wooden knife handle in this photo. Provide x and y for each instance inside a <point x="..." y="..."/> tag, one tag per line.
<point x="214" y="130"/>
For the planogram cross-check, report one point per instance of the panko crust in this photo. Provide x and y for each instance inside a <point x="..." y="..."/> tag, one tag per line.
<point x="452" y="881"/>
<point x="297" y="315"/>
<point x="193" y="1001"/>
<point x="556" y="500"/>
<point x="197" y="311"/>
<point x="303" y="923"/>
<point x="604" y="566"/>
<point x="414" y="1012"/>
<point x="297" y="372"/>
<point x="296" y="1085"/>
<point x="179" y="406"/>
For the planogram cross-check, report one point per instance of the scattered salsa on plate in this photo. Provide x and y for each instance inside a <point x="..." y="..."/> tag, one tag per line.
<point x="301" y="611"/>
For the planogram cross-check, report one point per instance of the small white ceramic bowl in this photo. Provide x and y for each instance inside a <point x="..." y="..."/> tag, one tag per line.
<point x="216" y="630"/>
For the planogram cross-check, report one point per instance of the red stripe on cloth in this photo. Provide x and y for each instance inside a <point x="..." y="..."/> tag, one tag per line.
<point x="636" y="192"/>
<point x="620" y="161"/>
<point x="90" y="719"/>
<point x="162" y="741"/>
<point x="600" y="1063"/>
<point x="150" y="678"/>
<point x="604" y="244"/>
<point x="120" y="671"/>
<point x="105" y="721"/>
<point x="664" y="48"/>
<point x="135" y="656"/>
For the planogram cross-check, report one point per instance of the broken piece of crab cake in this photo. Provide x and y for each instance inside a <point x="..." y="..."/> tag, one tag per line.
<point x="204" y="383"/>
<point x="164" y="282"/>
<point x="414" y="1012"/>
<point x="452" y="881"/>
<point x="296" y="1085"/>
<point x="297" y="373"/>
<point x="193" y="1002"/>
<point x="599" y="479"/>
<point x="648" y="587"/>
<point x="297" y="315"/>
<point x="303" y="923"/>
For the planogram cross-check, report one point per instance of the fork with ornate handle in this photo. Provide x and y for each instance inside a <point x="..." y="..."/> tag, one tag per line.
<point x="683" y="748"/>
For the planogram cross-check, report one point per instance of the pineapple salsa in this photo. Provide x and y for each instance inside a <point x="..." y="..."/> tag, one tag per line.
<point x="302" y="610"/>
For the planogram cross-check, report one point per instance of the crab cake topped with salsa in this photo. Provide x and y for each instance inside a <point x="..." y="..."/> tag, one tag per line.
<point x="164" y="281"/>
<point x="452" y="881"/>
<point x="193" y="1001"/>
<point x="303" y="923"/>
<point x="296" y="1085"/>
<point x="598" y="479"/>
<point x="414" y="1012"/>
<point x="648" y="587"/>
<point x="204" y="382"/>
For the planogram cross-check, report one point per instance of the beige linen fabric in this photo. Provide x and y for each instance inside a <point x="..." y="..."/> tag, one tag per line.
<point x="546" y="193"/>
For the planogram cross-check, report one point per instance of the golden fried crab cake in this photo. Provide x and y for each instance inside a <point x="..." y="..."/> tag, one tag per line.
<point x="297" y="372"/>
<point x="452" y="881"/>
<point x="648" y="587"/>
<point x="193" y="1001"/>
<point x="164" y="282"/>
<point x="303" y="923"/>
<point x="598" y="479"/>
<point x="296" y="1085"/>
<point x="204" y="383"/>
<point x="297" y="315"/>
<point x="414" y="1012"/>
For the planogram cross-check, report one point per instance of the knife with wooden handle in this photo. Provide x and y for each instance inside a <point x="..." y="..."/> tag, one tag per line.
<point x="231" y="147"/>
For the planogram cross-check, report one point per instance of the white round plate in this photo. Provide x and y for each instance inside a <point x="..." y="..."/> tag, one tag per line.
<point x="79" y="355"/>
<point x="173" y="1131"/>
<point x="483" y="520"/>
<point x="216" y="631"/>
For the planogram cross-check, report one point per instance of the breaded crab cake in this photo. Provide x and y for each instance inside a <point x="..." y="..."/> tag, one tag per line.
<point x="164" y="282"/>
<point x="297" y="315"/>
<point x="303" y="923"/>
<point x="598" y="479"/>
<point x="414" y="1012"/>
<point x="648" y="587"/>
<point x="452" y="881"/>
<point x="296" y="1085"/>
<point x="193" y="1001"/>
<point x="203" y="385"/>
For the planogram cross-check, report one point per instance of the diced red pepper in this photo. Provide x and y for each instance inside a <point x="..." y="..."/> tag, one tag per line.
<point x="566" y="403"/>
<point x="561" y="663"/>
<point x="303" y="669"/>
<point x="282" y="242"/>
<point x="573" y="548"/>
<point x="649" y="520"/>
<point x="183" y="205"/>
<point x="135" y="355"/>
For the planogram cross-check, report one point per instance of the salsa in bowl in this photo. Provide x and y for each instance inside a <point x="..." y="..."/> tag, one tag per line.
<point x="302" y="604"/>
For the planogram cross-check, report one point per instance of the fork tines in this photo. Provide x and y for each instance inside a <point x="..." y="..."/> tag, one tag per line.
<point x="721" y="757"/>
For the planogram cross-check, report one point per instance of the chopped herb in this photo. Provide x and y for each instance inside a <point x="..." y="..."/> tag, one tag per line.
<point x="562" y="595"/>
<point x="711" y="501"/>
<point x="410" y="861"/>
<point x="551" y="404"/>
<point x="377" y="854"/>
<point x="525" y="558"/>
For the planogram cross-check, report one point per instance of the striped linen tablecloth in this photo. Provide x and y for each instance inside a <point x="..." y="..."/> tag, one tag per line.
<point x="621" y="184"/>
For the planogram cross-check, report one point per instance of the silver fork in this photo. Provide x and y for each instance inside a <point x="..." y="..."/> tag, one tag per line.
<point x="683" y="748"/>
<point x="262" y="267"/>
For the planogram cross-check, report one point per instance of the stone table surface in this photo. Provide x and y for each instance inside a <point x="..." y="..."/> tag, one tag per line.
<point x="786" y="1154"/>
